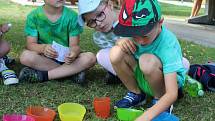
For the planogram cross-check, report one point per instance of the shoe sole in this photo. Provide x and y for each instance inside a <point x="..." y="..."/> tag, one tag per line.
<point x="11" y="81"/>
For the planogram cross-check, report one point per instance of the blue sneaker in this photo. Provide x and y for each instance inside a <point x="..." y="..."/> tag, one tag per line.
<point x="131" y="100"/>
<point x="169" y="110"/>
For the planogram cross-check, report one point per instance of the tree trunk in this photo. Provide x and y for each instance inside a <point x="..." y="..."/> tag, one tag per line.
<point x="208" y="19"/>
<point x="211" y="11"/>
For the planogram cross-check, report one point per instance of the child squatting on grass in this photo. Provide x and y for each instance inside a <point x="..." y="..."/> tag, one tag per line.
<point x="8" y="76"/>
<point x="151" y="61"/>
<point x="100" y="15"/>
<point x="52" y="31"/>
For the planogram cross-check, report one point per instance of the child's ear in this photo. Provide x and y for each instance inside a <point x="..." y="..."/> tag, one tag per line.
<point x="161" y="21"/>
<point x="110" y="4"/>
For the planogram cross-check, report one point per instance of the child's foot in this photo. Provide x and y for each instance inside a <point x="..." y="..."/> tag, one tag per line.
<point x="131" y="100"/>
<point x="79" y="78"/>
<point x="9" y="77"/>
<point x="30" y="75"/>
<point x="8" y="60"/>
<point x="111" y="79"/>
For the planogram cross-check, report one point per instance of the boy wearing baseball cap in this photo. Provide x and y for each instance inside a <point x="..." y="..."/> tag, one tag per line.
<point x="150" y="62"/>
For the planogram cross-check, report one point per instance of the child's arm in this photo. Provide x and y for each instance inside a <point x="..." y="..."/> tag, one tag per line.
<point x="165" y="101"/>
<point x="75" y="49"/>
<point x="34" y="46"/>
<point x="45" y="49"/>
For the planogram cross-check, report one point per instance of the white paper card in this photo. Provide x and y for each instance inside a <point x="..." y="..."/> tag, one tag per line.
<point x="61" y="50"/>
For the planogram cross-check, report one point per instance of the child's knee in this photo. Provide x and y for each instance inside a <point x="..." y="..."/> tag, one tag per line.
<point x="90" y="59"/>
<point x="148" y="63"/>
<point x="27" y="57"/>
<point x="116" y="55"/>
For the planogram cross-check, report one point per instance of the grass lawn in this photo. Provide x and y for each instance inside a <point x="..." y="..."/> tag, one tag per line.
<point x="177" y="11"/>
<point x="15" y="99"/>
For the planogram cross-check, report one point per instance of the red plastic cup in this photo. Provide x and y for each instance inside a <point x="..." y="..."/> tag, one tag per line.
<point x="17" y="117"/>
<point x="102" y="107"/>
<point x="41" y="113"/>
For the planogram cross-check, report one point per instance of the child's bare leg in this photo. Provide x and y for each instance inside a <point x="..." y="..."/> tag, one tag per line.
<point x="4" y="48"/>
<point x="151" y="67"/>
<point x="36" y="61"/>
<point x="84" y="61"/>
<point x="55" y="71"/>
<point x="196" y="7"/>
<point x="124" y="65"/>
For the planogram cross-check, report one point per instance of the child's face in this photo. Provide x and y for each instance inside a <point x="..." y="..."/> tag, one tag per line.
<point x="55" y="3"/>
<point x="102" y="18"/>
<point x="150" y="37"/>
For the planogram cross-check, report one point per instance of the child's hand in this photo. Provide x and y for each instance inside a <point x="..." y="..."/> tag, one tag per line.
<point x="143" y="117"/>
<point x="126" y="45"/>
<point x="50" y="52"/>
<point x="5" y="28"/>
<point x="69" y="58"/>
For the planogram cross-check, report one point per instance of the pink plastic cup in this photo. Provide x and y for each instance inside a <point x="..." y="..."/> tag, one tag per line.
<point x="17" y="117"/>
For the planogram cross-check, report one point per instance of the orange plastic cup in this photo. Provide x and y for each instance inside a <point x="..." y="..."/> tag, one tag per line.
<point x="102" y="107"/>
<point x="41" y="113"/>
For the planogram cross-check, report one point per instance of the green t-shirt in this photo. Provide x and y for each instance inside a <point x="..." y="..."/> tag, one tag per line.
<point x="167" y="48"/>
<point x="38" y="25"/>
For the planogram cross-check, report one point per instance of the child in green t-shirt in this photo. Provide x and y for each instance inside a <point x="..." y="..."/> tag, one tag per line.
<point x="150" y="62"/>
<point x="52" y="49"/>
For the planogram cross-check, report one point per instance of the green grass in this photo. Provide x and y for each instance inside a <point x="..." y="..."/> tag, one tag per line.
<point x="15" y="99"/>
<point x="177" y="11"/>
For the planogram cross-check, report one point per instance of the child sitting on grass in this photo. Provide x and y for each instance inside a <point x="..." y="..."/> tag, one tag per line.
<point x="52" y="49"/>
<point x="102" y="17"/>
<point x="8" y="76"/>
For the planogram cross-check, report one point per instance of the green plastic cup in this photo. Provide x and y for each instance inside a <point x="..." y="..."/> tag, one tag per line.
<point x="128" y="114"/>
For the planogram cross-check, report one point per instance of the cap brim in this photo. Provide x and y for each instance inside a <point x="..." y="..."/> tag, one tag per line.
<point x="130" y="31"/>
<point x="86" y="6"/>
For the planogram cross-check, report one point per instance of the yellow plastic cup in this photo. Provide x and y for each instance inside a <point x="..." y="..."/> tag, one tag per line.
<point x="71" y="112"/>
